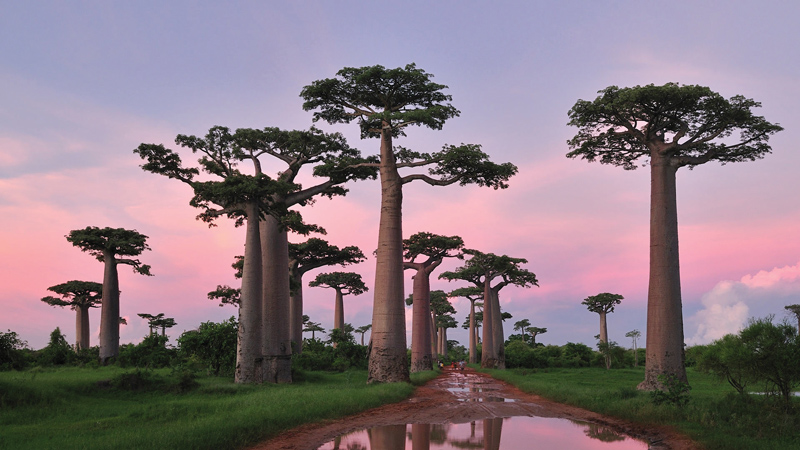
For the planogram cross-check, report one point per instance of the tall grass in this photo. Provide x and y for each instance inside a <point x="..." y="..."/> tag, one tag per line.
<point x="715" y="416"/>
<point x="80" y="408"/>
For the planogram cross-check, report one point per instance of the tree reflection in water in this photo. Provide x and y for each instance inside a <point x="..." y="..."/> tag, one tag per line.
<point x="486" y="435"/>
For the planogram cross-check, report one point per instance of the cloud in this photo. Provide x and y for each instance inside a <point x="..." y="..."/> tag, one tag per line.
<point x="729" y="304"/>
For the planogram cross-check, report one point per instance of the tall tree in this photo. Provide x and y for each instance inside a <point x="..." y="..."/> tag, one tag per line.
<point x="344" y="283"/>
<point x="443" y="322"/>
<point x="264" y="349"/>
<point x="481" y="270"/>
<point x="313" y="327"/>
<point x="474" y="294"/>
<point x="603" y="304"/>
<point x="362" y="330"/>
<point x="670" y="127"/>
<point x="522" y="326"/>
<point x="794" y="309"/>
<point x="80" y="296"/>
<point x="385" y="103"/>
<point x="152" y="321"/>
<point x="634" y="335"/>
<point x="303" y="257"/>
<point x="111" y="246"/>
<point x="433" y="248"/>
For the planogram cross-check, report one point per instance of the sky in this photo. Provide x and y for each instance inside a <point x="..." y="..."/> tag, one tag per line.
<point x="82" y="84"/>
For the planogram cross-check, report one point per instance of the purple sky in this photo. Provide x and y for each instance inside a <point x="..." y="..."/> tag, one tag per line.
<point x="82" y="85"/>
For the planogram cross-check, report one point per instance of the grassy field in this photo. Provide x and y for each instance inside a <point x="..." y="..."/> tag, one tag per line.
<point x="715" y="416"/>
<point x="80" y="408"/>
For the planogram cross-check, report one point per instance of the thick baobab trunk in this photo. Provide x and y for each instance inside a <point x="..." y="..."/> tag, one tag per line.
<point x="443" y="341"/>
<point x="338" y="312"/>
<point x="434" y="336"/>
<point x="421" y="355"/>
<point x="277" y="342"/>
<point x="82" y="331"/>
<point x="498" y="337"/>
<point x="492" y="429"/>
<point x="473" y="344"/>
<point x="296" y="313"/>
<point x="109" y="313"/>
<point x="488" y="351"/>
<point x="604" y="338"/>
<point x="248" y="350"/>
<point x="388" y="361"/>
<point x="665" y="355"/>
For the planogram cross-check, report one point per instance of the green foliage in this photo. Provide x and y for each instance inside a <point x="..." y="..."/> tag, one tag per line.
<point x="763" y="354"/>
<point x="103" y="242"/>
<point x="520" y="354"/>
<point x="434" y="246"/>
<point x="345" y="355"/>
<point x="12" y="356"/>
<point x="152" y="352"/>
<point x="675" y="392"/>
<point x="212" y="346"/>
<point x="345" y="282"/>
<point x="57" y="352"/>
<point x="602" y="303"/>
<point x="77" y="294"/>
<point x="693" y="121"/>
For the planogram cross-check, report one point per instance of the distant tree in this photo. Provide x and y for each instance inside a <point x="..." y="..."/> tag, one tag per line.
<point x="313" y="327"/>
<point x="344" y="283"/>
<point x="474" y="294"/>
<point x="670" y="127"/>
<point x="433" y="248"/>
<point x="385" y="103"/>
<point x="603" y="304"/>
<point x="634" y="335"/>
<point x="152" y="321"/>
<point x="306" y="256"/>
<point x="443" y="322"/>
<point x="481" y="270"/>
<point x="362" y="330"/>
<point x="110" y="246"/>
<point x="535" y="331"/>
<point x="164" y="323"/>
<point x="794" y="309"/>
<point x="522" y="326"/>
<point x="80" y="296"/>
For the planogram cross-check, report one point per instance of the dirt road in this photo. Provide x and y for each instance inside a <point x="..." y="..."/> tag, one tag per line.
<point x="460" y="397"/>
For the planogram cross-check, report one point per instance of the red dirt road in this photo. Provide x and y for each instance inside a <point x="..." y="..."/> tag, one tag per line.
<point x="460" y="397"/>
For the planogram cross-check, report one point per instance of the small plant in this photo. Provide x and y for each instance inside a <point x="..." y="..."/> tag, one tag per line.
<point x="676" y="392"/>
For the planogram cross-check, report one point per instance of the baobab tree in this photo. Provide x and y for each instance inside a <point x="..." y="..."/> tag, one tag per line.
<point x="634" y="335"/>
<point x="80" y="296"/>
<point x="313" y="327"/>
<point x="152" y="321"/>
<point x="481" y="270"/>
<point x="603" y="304"/>
<point x="443" y="322"/>
<point x="112" y="247"/>
<point x="344" y="283"/>
<point x="535" y="331"/>
<point x="385" y="103"/>
<point x="434" y="248"/>
<point x="264" y="350"/>
<point x="475" y="295"/>
<point x="670" y="127"/>
<point x="362" y="330"/>
<point x="522" y="326"/>
<point x="303" y="257"/>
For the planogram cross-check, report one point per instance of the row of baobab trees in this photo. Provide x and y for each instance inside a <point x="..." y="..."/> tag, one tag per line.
<point x="667" y="127"/>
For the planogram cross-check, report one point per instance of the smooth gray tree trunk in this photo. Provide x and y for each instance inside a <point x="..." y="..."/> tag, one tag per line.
<point x="109" y="312"/>
<point x="249" y="358"/>
<point x="664" y="353"/>
<point x="277" y="341"/>
<point x="421" y="355"/>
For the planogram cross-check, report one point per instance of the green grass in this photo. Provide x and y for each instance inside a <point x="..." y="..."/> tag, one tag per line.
<point x="715" y="416"/>
<point x="67" y="408"/>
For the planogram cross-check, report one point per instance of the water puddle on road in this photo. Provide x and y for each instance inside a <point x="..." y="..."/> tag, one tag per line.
<point x="489" y="434"/>
<point x="495" y="419"/>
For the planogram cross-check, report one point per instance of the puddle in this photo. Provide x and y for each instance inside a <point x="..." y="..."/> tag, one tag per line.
<point x="489" y="434"/>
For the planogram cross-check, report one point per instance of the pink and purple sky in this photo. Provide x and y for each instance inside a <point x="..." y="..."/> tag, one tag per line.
<point x="83" y="84"/>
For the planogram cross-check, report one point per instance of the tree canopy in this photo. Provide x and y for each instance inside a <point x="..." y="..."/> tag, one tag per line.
<point x="102" y="242"/>
<point x="690" y="124"/>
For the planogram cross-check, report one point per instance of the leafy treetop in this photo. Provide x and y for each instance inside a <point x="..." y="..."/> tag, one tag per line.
<point x="345" y="282"/>
<point x="602" y="303"/>
<point x="488" y="266"/>
<point x="77" y="294"/>
<point x="688" y="124"/>
<point x="112" y="242"/>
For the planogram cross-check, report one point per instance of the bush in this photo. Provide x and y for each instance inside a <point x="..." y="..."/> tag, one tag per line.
<point x="520" y="354"/>
<point x="58" y="352"/>
<point x="12" y="355"/>
<point x="151" y="353"/>
<point x="212" y="346"/>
